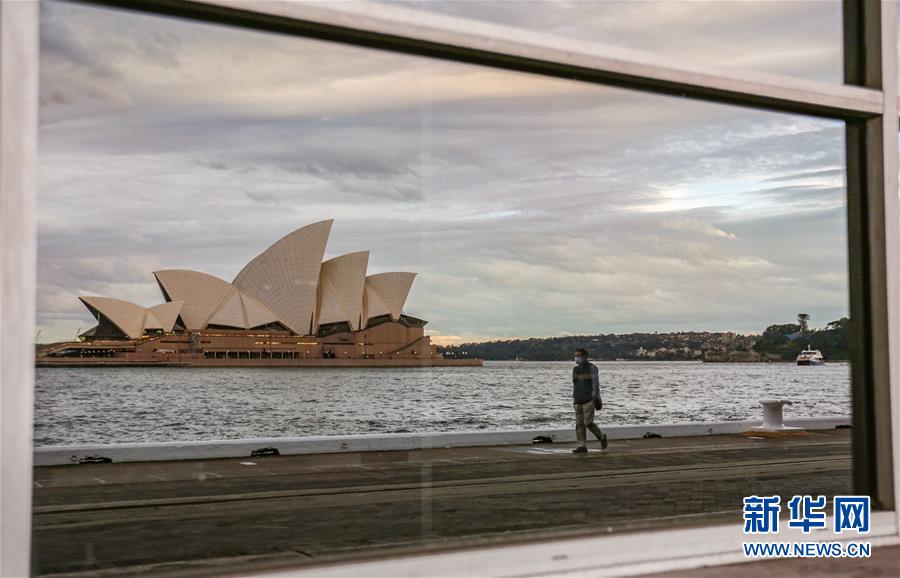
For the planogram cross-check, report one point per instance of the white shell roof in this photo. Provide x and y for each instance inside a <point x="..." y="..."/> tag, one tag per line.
<point x="285" y="277"/>
<point x="165" y="314"/>
<point x="256" y="313"/>
<point x="342" y="282"/>
<point x="230" y="313"/>
<point x="202" y="294"/>
<point x="150" y="322"/>
<point x="127" y="316"/>
<point x="386" y="293"/>
<point x="287" y="283"/>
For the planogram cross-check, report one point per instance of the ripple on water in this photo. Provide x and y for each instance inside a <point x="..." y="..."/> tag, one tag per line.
<point x="87" y="405"/>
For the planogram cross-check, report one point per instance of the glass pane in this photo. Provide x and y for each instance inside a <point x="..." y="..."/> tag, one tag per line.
<point x="676" y="241"/>
<point x="792" y="38"/>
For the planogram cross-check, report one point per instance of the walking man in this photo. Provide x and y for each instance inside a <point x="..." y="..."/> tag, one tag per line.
<point x="586" y="395"/>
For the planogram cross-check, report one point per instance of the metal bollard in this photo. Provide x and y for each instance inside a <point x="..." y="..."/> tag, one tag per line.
<point x="773" y="416"/>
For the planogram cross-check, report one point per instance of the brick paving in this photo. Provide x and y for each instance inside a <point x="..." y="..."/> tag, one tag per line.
<point x="186" y="517"/>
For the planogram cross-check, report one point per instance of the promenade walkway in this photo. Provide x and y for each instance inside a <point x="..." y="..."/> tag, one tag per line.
<point x="206" y="516"/>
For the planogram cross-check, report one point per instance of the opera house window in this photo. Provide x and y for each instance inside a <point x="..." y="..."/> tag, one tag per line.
<point x="307" y="296"/>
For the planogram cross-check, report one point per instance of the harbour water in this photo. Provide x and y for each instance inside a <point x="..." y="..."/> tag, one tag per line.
<point x="111" y="405"/>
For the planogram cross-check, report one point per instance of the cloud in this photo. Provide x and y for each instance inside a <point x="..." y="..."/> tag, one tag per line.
<point x="690" y="225"/>
<point x="790" y="37"/>
<point x="529" y="206"/>
<point x="830" y="174"/>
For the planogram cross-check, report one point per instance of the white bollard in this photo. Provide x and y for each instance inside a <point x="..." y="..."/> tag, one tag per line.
<point x="773" y="416"/>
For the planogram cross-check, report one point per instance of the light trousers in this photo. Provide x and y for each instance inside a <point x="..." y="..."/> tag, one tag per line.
<point x="584" y="420"/>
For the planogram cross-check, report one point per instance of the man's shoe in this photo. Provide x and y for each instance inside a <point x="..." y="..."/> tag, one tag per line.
<point x="579" y="450"/>
<point x="603" y="442"/>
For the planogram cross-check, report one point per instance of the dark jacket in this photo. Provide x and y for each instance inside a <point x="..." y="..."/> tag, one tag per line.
<point x="585" y="382"/>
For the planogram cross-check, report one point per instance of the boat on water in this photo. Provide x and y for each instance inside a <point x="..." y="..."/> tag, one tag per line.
<point x="810" y="357"/>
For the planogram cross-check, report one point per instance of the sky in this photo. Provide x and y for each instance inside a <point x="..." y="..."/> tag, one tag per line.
<point x="529" y="206"/>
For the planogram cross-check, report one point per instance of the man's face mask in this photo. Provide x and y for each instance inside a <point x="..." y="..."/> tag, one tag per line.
<point x="579" y="359"/>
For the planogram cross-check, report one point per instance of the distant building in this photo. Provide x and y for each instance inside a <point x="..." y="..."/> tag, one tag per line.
<point x="284" y="306"/>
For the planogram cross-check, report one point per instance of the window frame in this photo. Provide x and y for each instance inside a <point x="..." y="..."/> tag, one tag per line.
<point x="867" y="102"/>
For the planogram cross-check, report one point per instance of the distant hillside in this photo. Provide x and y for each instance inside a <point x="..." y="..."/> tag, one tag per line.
<point x="777" y="342"/>
<point x="662" y="346"/>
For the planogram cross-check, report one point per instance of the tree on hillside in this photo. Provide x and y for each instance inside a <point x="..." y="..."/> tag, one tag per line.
<point x="775" y="338"/>
<point x="803" y="321"/>
<point x="831" y="341"/>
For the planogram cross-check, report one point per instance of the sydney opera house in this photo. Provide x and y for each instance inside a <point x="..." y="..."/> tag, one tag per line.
<point x="286" y="307"/>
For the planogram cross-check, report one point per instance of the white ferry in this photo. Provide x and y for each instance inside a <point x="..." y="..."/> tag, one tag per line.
<point x="810" y="357"/>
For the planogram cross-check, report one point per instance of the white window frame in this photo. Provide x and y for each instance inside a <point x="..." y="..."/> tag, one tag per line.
<point x="867" y="102"/>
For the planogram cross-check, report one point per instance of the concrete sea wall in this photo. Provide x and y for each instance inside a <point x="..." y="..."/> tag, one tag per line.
<point x="195" y="361"/>
<point x="246" y="448"/>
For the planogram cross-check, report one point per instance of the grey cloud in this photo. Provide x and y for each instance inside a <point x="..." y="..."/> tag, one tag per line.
<point x="803" y="194"/>
<point x="261" y="197"/>
<point x="796" y="38"/>
<point x="335" y="160"/>
<point x="806" y="175"/>
<point x="59" y="45"/>
<point x="583" y="209"/>
<point x="214" y="164"/>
